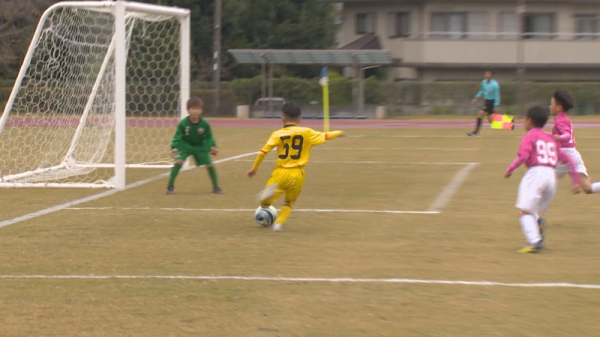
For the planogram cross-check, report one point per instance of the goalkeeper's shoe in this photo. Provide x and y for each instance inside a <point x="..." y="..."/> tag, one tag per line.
<point x="277" y="227"/>
<point x="532" y="249"/>
<point x="170" y="189"/>
<point x="217" y="190"/>
<point x="542" y="228"/>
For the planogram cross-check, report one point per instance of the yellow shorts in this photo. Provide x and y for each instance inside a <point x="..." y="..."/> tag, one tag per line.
<point x="288" y="181"/>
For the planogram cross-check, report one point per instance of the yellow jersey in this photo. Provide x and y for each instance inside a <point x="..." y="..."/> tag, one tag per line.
<point x="293" y="145"/>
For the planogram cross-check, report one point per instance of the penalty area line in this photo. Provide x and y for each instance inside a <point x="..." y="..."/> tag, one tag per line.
<point x="311" y="279"/>
<point x="102" y="195"/>
<point x="444" y="197"/>
<point x="372" y="162"/>
<point x="252" y="210"/>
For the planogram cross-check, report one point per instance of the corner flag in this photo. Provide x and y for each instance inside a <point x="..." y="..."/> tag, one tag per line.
<point x="324" y="82"/>
<point x="503" y="122"/>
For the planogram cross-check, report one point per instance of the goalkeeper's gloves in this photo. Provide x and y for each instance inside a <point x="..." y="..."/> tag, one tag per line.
<point x="174" y="153"/>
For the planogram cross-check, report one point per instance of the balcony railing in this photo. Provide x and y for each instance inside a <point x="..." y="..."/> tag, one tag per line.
<point x="470" y="35"/>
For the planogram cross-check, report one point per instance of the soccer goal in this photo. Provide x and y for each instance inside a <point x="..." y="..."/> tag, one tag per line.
<point x="101" y="89"/>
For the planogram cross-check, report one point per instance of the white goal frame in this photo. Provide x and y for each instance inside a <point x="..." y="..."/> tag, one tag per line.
<point x="119" y="10"/>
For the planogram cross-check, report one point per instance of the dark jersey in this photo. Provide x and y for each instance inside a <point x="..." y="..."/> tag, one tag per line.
<point x="191" y="136"/>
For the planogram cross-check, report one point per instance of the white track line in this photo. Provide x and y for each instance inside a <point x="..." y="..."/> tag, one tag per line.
<point x="399" y="148"/>
<point x="444" y="197"/>
<point x="101" y="195"/>
<point x="310" y="279"/>
<point x="252" y="210"/>
<point x="372" y="162"/>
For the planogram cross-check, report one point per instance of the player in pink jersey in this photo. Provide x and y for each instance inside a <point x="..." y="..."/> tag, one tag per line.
<point x="540" y="153"/>
<point x="564" y="133"/>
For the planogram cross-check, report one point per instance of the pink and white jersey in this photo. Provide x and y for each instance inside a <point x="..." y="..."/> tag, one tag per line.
<point x="538" y="148"/>
<point x="564" y="128"/>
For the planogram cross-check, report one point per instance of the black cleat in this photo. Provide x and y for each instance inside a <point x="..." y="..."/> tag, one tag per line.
<point x="170" y="189"/>
<point x="217" y="190"/>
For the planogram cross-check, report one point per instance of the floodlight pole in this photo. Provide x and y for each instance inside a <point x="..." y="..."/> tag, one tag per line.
<point x="270" y="88"/>
<point x="263" y="80"/>
<point x="521" y="10"/>
<point x="217" y="54"/>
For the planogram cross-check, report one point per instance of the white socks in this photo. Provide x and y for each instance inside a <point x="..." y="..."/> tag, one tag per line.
<point x="530" y="228"/>
<point x="595" y="187"/>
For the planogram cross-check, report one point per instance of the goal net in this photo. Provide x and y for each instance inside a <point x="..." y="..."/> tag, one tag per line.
<point x="58" y="127"/>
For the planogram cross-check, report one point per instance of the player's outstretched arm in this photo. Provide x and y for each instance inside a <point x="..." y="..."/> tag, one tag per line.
<point x="333" y="134"/>
<point x="316" y="137"/>
<point x="524" y="152"/>
<point x="271" y="143"/>
<point x="259" y="158"/>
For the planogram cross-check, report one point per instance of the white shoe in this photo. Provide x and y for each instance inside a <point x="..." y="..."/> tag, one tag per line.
<point x="267" y="193"/>
<point x="278" y="227"/>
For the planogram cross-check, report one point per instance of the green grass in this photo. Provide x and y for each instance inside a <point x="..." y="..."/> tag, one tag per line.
<point x="474" y="238"/>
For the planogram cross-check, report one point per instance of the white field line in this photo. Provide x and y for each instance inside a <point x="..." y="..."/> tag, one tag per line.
<point x="252" y="210"/>
<point x="398" y="148"/>
<point x="444" y="197"/>
<point x="371" y="162"/>
<point x="431" y="136"/>
<point x="310" y="279"/>
<point x="101" y="195"/>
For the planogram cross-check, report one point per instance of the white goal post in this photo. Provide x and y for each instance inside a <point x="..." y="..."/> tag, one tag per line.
<point x="101" y="89"/>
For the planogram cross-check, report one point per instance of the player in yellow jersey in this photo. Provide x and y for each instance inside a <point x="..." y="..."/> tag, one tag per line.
<point x="293" y="149"/>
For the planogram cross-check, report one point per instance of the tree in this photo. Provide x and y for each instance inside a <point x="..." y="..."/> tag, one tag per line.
<point x="256" y="24"/>
<point x="18" y="19"/>
<point x="264" y="24"/>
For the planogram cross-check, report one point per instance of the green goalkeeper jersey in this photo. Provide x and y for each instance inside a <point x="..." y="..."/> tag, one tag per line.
<point x="190" y="136"/>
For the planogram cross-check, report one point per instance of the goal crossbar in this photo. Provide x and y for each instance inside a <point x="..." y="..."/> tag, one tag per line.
<point x="115" y="59"/>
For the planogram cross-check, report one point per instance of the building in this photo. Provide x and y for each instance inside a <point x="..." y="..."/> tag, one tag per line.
<point x="442" y="40"/>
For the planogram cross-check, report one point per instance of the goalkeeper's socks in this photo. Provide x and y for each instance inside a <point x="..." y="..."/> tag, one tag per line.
<point x="174" y="173"/>
<point x="213" y="176"/>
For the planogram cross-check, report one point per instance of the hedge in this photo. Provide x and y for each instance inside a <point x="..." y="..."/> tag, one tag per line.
<point x="413" y="97"/>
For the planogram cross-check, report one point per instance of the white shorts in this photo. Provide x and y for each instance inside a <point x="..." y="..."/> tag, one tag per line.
<point x="562" y="168"/>
<point x="537" y="189"/>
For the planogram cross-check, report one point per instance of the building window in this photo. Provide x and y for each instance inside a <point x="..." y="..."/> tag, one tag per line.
<point x="450" y="26"/>
<point x="508" y="26"/>
<point x="365" y="23"/>
<point x="399" y="24"/>
<point x="586" y="26"/>
<point x="478" y="25"/>
<point x="539" y="26"/>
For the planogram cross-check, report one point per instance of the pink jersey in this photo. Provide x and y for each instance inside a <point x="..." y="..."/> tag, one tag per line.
<point x="538" y="148"/>
<point x="564" y="128"/>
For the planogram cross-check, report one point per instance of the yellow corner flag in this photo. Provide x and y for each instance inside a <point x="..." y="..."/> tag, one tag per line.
<point x="503" y="122"/>
<point x="324" y="82"/>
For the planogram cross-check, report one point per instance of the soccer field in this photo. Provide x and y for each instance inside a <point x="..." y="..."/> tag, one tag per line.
<point x="407" y="231"/>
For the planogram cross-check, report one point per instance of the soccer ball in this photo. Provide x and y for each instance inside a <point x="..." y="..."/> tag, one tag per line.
<point x="265" y="216"/>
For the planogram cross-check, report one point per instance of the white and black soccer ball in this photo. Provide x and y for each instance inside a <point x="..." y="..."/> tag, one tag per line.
<point x="265" y="216"/>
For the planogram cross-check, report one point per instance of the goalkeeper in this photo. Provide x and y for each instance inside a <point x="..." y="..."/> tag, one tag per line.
<point x="193" y="138"/>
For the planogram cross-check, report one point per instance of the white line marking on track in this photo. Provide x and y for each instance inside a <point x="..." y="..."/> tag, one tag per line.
<point x="444" y="197"/>
<point x="399" y="148"/>
<point x="101" y="195"/>
<point x="252" y="210"/>
<point x="371" y="162"/>
<point x="311" y="279"/>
